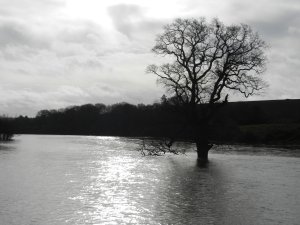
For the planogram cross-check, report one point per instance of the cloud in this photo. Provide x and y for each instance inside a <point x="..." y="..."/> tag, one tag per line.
<point x="28" y="8"/>
<point x="11" y="34"/>
<point x="278" y="26"/>
<point x="19" y="35"/>
<point x="125" y="17"/>
<point x="130" y="20"/>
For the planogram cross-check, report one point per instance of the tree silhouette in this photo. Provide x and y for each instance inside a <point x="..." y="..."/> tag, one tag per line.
<point x="208" y="61"/>
<point x="6" y="130"/>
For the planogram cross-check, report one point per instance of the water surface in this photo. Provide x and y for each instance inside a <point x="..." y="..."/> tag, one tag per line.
<point x="103" y="180"/>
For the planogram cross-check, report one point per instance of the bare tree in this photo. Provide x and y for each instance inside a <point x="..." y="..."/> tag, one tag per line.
<point x="208" y="61"/>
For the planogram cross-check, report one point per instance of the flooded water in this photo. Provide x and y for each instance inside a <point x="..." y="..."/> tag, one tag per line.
<point x="73" y="180"/>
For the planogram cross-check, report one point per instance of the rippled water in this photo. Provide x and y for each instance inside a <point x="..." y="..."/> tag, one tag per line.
<point x="103" y="180"/>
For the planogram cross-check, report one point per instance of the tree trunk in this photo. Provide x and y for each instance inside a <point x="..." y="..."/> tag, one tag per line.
<point x="200" y="131"/>
<point x="202" y="150"/>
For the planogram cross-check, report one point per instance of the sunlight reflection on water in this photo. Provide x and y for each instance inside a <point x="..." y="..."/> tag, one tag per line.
<point x="104" y="180"/>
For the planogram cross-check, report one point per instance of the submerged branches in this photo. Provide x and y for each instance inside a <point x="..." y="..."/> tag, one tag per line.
<point x="158" y="147"/>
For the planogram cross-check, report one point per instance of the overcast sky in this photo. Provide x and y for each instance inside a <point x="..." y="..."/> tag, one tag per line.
<point x="57" y="53"/>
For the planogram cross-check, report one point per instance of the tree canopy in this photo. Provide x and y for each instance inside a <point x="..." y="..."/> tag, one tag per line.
<point x="208" y="60"/>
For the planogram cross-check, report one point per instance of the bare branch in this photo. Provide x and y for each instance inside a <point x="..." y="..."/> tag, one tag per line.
<point x="158" y="148"/>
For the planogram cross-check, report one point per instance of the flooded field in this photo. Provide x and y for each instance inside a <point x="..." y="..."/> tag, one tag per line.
<point x="103" y="180"/>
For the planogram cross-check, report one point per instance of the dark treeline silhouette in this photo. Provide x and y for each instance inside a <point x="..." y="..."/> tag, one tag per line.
<point x="6" y="129"/>
<point x="120" y="119"/>
<point x="252" y="122"/>
<point x="268" y="122"/>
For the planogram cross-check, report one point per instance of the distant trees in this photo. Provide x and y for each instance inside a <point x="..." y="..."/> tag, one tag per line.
<point x="6" y="130"/>
<point x="207" y="62"/>
<point x="121" y="119"/>
<point x="231" y="124"/>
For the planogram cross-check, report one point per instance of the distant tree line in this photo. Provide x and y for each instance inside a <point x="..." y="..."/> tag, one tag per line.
<point x="235" y="122"/>
<point x="6" y="128"/>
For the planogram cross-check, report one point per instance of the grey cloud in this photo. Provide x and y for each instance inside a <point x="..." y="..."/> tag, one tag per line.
<point x="85" y="63"/>
<point x="14" y="34"/>
<point x="279" y="26"/>
<point x="28" y="8"/>
<point x="81" y="32"/>
<point x="124" y="17"/>
<point x="77" y="45"/>
<point x="140" y="31"/>
<point x="11" y="35"/>
<point x="129" y="20"/>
